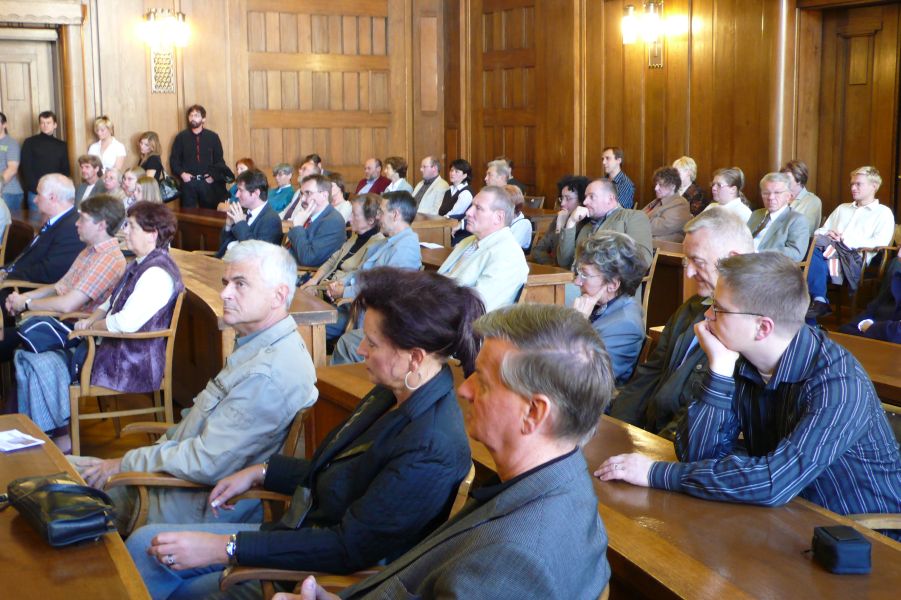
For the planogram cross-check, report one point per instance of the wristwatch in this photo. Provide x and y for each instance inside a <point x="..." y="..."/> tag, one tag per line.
<point x="231" y="549"/>
<point x="28" y="302"/>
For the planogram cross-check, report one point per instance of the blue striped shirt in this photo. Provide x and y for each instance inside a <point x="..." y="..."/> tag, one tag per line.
<point x="625" y="190"/>
<point x="817" y="430"/>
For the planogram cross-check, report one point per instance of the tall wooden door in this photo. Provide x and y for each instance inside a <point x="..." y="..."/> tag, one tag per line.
<point x="26" y="83"/>
<point x="859" y="101"/>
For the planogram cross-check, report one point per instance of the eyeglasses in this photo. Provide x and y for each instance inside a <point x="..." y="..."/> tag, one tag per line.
<point x="699" y="263"/>
<point x="773" y="193"/>
<point x="580" y="274"/>
<point x="717" y="184"/>
<point x="716" y="310"/>
<point x="307" y="193"/>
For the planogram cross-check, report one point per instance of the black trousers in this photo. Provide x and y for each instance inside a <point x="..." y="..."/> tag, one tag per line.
<point x="198" y="192"/>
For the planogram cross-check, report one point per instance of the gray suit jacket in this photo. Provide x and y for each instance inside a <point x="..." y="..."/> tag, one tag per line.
<point x="540" y="538"/>
<point x="788" y="234"/>
<point x="79" y="191"/>
<point x="633" y="223"/>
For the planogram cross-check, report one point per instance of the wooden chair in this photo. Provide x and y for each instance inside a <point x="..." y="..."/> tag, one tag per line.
<point x="534" y="201"/>
<point x="293" y="445"/>
<point x="647" y="281"/>
<point x="3" y="242"/>
<point x="804" y="264"/>
<point x="162" y="398"/>
<point x="332" y="583"/>
<point x="870" y="276"/>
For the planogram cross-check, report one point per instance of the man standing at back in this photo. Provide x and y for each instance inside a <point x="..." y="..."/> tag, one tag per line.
<point x="42" y="154"/>
<point x="242" y="416"/>
<point x="196" y="158"/>
<point x="601" y="211"/>
<point x="612" y="158"/>
<point x="664" y="384"/>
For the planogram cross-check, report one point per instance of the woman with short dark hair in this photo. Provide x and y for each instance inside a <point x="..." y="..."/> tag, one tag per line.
<point x="668" y="212"/>
<point x="395" y="169"/>
<point x="609" y="268"/>
<point x="379" y="483"/>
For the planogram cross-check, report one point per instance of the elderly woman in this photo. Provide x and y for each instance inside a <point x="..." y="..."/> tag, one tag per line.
<point x="726" y="189"/>
<point x="379" y="483"/>
<point x="143" y="300"/>
<point x="609" y="268"/>
<point x="336" y="196"/>
<point x="459" y="195"/>
<point x="395" y="170"/>
<point x="112" y="183"/>
<point x="280" y="197"/>
<point x="688" y="184"/>
<point x="348" y="258"/>
<point x="669" y="211"/>
<point x="572" y="192"/>
<point x="149" y="147"/>
<point x="110" y="150"/>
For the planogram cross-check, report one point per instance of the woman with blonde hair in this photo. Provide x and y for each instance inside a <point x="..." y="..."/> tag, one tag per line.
<point x="148" y="189"/>
<point x="689" y="189"/>
<point x="150" y="148"/>
<point x="110" y="150"/>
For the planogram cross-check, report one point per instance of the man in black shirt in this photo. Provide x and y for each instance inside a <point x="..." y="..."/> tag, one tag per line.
<point x="42" y="154"/>
<point x="197" y="159"/>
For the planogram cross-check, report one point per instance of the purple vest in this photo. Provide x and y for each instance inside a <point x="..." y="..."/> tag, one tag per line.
<point x="137" y="365"/>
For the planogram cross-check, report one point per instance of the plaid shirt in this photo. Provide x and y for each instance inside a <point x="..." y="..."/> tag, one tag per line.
<point x="816" y="430"/>
<point x="94" y="273"/>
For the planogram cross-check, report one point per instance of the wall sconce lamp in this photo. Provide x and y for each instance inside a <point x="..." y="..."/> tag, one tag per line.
<point x="163" y="31"/>
<point x="649" y="23"/>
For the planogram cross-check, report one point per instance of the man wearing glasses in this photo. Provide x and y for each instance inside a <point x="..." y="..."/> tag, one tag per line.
<point x="318" y="228"/>
<point x="662" y="387"/>
<point x="776" y="226"/>
<point x="809" y="415"/>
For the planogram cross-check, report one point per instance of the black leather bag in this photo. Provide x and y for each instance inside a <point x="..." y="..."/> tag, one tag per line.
<point x="169" y="188"/>
<point x="62" y="510"/>
<point x="841" y="549"/>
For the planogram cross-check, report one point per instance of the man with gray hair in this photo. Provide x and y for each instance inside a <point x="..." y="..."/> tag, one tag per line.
<point x="490" y="260"/>
<point x="429" y="192"/>
<point x="498" y="173"/>
<point x="664" y="384"/>
<point x="542" y="380"/>
<point x="777" y="226"/>
<point x="242" y="416"/>
<point x="811" y="422"/>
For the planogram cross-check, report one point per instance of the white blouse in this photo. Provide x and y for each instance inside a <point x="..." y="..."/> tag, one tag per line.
<point x="113" y="151"/>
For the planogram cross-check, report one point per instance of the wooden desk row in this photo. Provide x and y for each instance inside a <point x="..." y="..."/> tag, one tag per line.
<point x="670" y="545"/>
<point x="200" y="228"/>
<point x="31" y="569"/>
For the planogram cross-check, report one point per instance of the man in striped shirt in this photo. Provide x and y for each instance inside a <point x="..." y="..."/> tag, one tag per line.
<point x="812" y="423"/>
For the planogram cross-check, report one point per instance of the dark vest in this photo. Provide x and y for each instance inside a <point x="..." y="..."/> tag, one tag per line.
<point x="450" y="199"/>
<point x="137" y="365"/>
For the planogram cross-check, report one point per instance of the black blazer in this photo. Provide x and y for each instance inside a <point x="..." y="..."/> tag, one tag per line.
<point x="267" y="227"/>
<point x="377" y="485"/>
<point x="51" y="254"/>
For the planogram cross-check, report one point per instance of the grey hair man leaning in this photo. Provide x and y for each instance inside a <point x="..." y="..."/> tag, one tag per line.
<point x="244" y="413"/>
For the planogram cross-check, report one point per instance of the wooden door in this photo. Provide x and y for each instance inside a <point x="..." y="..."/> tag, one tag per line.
<point x="26" y="84"/>
<point x="858" y="101"/>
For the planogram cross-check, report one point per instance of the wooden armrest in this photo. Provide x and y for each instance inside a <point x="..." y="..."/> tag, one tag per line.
<point x="150" y="480"/>
<point x="152" y="427"/>
<point x="260" y="494"/>
<point x="205" y="252"/>
<point x="53" y="313"/>
<point x="343" y="301"/>
<point x="236" y="574"/>
<point x="140" y="335"/>
<point x="306" y="269"/>
<point x="20" y="283"/>
<point x="878" y="520"/>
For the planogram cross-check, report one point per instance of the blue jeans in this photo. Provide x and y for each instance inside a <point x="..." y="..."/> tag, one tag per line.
<point x="163" y="582"/>
<point x="817" y="275"/>
<point x="13" y="201"/>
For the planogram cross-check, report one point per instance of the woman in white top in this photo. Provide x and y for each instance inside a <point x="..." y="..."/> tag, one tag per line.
<point x="726" y="191"/>
<point x="458" y="196"/>
<point x="520" y="226"/>
<point x="110" y="150"/>
<point x="336" y="197"/>
<point x="395" y="169"/>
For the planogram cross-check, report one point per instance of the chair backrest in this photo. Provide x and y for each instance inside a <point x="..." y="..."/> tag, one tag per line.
<point x="534" y="201"/>
<point x="3" y="243"/>
<point x="463" y="491"/>
<point x="170" y="338"/>
<point x="647" y="281"/>
<point x="806" y="262"/>
<point x="297" y="433"/>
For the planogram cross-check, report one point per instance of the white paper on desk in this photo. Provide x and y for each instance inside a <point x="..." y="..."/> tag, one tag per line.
<point x="430" y="245"/>
<point x="16" y="440"/>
